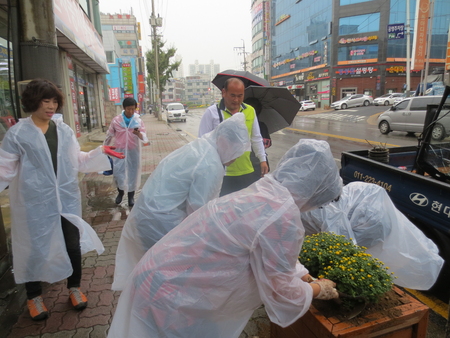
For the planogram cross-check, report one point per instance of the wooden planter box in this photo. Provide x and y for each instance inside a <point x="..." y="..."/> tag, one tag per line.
<point x="411" y="321"/>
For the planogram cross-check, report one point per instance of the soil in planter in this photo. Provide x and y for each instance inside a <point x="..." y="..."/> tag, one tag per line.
<point x="386" y="306"/>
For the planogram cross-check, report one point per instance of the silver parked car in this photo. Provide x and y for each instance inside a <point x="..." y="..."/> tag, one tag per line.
<point x="387" y="99"/>
<point x="354" y="100"/>
<point x="409" y="115"/>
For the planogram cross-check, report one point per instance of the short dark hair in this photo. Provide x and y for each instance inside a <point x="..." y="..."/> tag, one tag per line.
<point x="231" y="80"/>
<point x="38" y="90"/>
<point x="129" y="101"/>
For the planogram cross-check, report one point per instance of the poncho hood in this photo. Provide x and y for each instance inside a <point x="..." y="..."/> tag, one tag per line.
<point x="230" y="138"/>
<point x="309" y="172"/>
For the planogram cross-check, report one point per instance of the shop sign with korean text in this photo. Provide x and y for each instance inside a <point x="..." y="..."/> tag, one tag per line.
<point x="396" y="31"/>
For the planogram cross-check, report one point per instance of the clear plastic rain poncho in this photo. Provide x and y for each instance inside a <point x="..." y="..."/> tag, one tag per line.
<point x="38" y="199"/>
<point x="184" y="181"/>
<point x="207" y="276"/>
<point x="127" y="172"/>
<point x="366" y="214"/>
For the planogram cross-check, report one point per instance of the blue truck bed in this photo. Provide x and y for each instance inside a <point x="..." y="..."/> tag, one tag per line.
<point x="421" y="198"/>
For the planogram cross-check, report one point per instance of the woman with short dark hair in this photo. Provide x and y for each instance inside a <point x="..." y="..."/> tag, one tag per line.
<point x="39" y="160"/>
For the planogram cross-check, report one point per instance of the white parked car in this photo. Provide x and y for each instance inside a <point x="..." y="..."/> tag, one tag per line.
<point x="387" y="99"/>
<point x="355" y="100"/>
<point x="403" y="96"/>
<point x="307" y="105"/>
<point x="175" y="112"/>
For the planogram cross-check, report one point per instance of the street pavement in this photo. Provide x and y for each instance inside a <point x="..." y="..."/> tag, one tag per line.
<point x="98" y="194"/>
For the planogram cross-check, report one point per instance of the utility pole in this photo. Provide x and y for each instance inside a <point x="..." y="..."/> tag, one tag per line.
<point x="408" y="51"/>
<point x="242" y="51"/>
<point x="156" y="22"/>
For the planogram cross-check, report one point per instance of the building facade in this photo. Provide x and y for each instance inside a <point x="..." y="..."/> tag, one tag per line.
<point x="174" y="91"/>
<point x="368" y="58"/>
<point x="261" y="28"/>
<point x="125" y="60"/>
<point x="210" y="69"/>
<point x="199" y="90"/>
<point x="324" y="50"/>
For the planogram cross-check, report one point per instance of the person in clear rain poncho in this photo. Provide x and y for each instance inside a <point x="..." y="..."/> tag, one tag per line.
<point x="40" y="159"/>
<point x="127" y="133"/>
<point x="207" y="276"/>
<point x="183" y="182"/>
<point x="366" y="214"/>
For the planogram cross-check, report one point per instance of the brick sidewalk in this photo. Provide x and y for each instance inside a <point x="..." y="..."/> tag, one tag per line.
<point x="107" y="219"/>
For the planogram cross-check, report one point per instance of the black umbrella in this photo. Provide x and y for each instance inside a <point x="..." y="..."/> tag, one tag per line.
<point x="279" y="107"/>
<point x="248" y="78"/>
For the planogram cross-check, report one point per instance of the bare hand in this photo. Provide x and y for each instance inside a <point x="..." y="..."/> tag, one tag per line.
<point x="138" y="133"/>
<point x="264" y="168"/>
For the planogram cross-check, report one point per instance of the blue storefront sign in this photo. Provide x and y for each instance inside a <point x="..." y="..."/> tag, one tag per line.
<point x="396" y="31"/>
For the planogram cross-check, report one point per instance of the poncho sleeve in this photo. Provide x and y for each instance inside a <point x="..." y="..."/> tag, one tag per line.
<point x="9" y="161"/>
<point x="93" y="161"/>
<point x="274" y="262"/>
<point x="9" y="167"/>
<point x="206" y="183"/>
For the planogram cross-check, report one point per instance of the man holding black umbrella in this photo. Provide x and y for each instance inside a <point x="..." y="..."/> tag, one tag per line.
<point x="239" y="175"/>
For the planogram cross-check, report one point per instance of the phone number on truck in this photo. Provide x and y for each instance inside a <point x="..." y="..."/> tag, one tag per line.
<point x="370" y="179"/>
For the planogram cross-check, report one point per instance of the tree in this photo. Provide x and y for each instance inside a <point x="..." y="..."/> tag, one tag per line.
<point x="164" y="64"/>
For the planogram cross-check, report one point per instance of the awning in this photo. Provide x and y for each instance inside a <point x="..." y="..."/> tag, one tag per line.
<point x="77" y="35"/>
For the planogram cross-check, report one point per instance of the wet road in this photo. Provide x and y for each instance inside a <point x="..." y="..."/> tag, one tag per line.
<point x="344" y="130"/>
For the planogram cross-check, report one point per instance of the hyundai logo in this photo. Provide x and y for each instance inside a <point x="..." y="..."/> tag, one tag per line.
<point x="418" y="199"/>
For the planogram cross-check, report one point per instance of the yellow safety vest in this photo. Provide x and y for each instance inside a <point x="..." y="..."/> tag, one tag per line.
<point x="242" y="165"/>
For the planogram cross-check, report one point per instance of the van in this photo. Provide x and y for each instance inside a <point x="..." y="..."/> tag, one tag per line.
<point x="409" y="115"/>
<point x="175" y="112"/>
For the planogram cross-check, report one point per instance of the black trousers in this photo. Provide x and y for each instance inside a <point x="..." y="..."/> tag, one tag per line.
<point x="72" y="240"/>
<point x="235" y="183"/>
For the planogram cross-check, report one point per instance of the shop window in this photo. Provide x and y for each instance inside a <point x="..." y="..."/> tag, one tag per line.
<point x="347" y="92"/>
<point x="84" y="5"/>
<point x="7" y="119"/>
<point x="351" y="2"/>
<point x="360" y="52"/>
<point x="368" y="92"/>
<point x="109" y="56"/>
<point x="359" y="24"/>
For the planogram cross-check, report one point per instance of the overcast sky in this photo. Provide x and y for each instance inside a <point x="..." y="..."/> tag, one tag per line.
<point x="200" y="30"/>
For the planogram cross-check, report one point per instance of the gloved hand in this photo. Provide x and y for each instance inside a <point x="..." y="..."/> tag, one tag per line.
<point x="108" y="150"/>
<point x="327" y="289"/>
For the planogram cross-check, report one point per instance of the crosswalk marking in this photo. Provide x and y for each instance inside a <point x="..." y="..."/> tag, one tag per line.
<point x="337" y="117"/>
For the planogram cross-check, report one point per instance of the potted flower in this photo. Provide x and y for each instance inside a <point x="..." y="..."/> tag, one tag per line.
<point x="356" y="273"/>
<point x="361" y="281"/>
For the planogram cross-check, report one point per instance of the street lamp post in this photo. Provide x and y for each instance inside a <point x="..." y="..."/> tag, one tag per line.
<point x="156" y="22"/>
